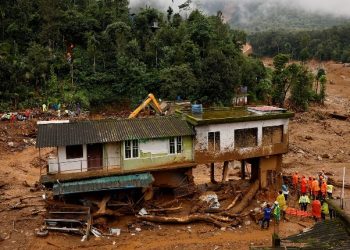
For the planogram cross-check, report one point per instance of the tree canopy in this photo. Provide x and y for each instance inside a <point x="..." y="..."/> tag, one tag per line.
<point x="98" y="52"/>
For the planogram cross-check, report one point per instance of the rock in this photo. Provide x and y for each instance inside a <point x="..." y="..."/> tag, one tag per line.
<point x="247" y="223"/>
<point x="308" y="137"/>
<point x="301" y="152"/>
<point x="10" y="144"/>
<point x="138" y="229"/>
<point x="319" y="158"/>
<point x="327" y="156"/>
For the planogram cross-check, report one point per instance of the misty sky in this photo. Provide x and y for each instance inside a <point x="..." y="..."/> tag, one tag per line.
<point x="335" y="7"/>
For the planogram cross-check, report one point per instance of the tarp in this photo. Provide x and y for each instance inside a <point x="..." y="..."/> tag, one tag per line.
<point x="103" y="183"/>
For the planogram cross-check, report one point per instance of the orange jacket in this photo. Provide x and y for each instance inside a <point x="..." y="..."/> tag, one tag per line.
<point x="315" y="186"/>
<point x="295" y="179"/>
<point x="316" y="208"/>
<point x="324" y="187"/>
<point x="303" y="186"/>
<point x="310" y="184"/>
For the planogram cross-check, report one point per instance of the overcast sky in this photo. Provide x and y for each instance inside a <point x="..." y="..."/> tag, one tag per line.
<point x="335" y="7"/>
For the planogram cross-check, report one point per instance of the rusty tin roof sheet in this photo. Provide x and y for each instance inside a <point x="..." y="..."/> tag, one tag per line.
<point x="110" y="130"/>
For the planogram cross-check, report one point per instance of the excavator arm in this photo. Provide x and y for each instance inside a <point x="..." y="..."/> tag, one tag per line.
<point x="149" y="100"/>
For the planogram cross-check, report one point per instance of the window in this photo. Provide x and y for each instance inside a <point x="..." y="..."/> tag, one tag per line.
<point x="74" y="151"/>
<point x="245" y="138"/>
<point x="272" y="135"/>
<point x="131" y="149"/>
<point x="179" y="144"/>
<point x="175" y="145"/>
<point x="214" y="141"/>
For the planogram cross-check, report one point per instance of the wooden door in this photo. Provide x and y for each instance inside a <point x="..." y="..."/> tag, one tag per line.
<point x="94" y="156"/>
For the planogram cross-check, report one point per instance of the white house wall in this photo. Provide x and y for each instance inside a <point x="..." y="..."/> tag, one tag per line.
<point x="156" y="146"/>
<point x="111" y="154"/>
<point x="68" y="165"/>
<point x="227" y="135"/>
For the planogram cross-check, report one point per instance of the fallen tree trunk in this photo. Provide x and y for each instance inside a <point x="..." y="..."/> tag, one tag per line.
<point x="183" y="220"/>
<point x="233" y="203"/>
<point x="170" y="209"/>
<point x="246" y="198"/>
<point x="337" y="183"/>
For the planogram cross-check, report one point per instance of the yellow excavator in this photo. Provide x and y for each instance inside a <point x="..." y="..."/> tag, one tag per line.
<point x="150" y="100"/>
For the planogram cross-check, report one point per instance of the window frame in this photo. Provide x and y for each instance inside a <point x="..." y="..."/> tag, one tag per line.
<point x="130" y="146"/>
<point x="216" y="144"/>
<point x="175" y="145"/>
<point x="70" y="155"/>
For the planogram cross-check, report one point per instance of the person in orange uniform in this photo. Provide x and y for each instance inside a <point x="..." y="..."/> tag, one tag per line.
<point x="310" y="186"/>
<point x="324" y="188"/>
<point x="315" y="188"/>
<point x="295" y="181"/>
<point x="303" y="185"/>
<point x="316" y="209"/>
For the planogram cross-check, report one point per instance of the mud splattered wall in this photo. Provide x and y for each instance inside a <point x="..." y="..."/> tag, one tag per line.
<point x="227" y="134"/>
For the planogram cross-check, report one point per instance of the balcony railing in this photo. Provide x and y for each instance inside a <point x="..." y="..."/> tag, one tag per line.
<point x="80" y="165"/>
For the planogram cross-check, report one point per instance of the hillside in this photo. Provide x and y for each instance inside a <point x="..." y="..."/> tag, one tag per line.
<point x="255" y="17"/>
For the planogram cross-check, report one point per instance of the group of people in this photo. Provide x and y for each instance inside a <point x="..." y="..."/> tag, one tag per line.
<point x="314" y="190"/>
<point x="318" y="189"/>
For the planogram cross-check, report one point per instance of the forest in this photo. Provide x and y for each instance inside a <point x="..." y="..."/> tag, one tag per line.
<point x="327" y="44"/>
<point x="97" y="53"/>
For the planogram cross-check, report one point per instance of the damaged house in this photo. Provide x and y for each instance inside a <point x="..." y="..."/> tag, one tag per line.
<point x="116" y="154"/>
<point x="257" y="136"/>
<point x="161" y="151"/>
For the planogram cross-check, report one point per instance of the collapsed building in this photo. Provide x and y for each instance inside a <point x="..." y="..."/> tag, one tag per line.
<point x="161" y="151"/>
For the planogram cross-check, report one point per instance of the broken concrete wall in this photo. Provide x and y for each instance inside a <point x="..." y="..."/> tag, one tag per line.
<point x="270" y="168"/>
<point x="242" y="140"/>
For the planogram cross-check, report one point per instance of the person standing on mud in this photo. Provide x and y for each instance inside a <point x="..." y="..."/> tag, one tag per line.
<point x="324" y="189"/>
<point x="285" y="191"/>
<point x="267" y="217"/>
<point x="330" y="188"/>
<point x="310" y="186"/>
<point x="315" y="188"/>
<point x="303" y="185"/>
<point x="324" y="210"/>
<point x="316" y="210"/>
<point x="282" y="203"/>
<point x="304" y="201"/>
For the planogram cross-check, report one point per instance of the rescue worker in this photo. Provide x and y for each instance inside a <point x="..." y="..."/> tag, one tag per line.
<point x="316" y="209"/>
<point x="324" y="189"/>
<point x="295" y="181"/>
<point x="267" y="217"/>
<point x="315" y="188"/>
<point x="285" y="191"/>
<point x="277" y="212"/>
<point x="303" y="202"/>
<point x="282" y="204"/>
<point x="324" y="210"/>
<point x="303" y="185"/>
<point x="310" y="186"/>
<point x="330" y="188"/>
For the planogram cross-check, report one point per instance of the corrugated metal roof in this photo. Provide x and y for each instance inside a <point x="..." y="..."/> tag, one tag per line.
<point x="104" y="183"/>
<point x="112" y="130"/>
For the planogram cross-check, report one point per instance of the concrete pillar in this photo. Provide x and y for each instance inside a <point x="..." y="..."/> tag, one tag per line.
<point x="212" y="173"/>
<point x="243" y="169"/>
<point x="224" y="171"/>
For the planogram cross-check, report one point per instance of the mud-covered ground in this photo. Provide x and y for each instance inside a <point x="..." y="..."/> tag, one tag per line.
<point x="317" y="142"/>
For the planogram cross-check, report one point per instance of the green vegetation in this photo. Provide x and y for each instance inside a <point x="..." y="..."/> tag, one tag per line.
<point x="328" y="44"/>
<point x="97" y="52"/>
<point x="297" y="80"/>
